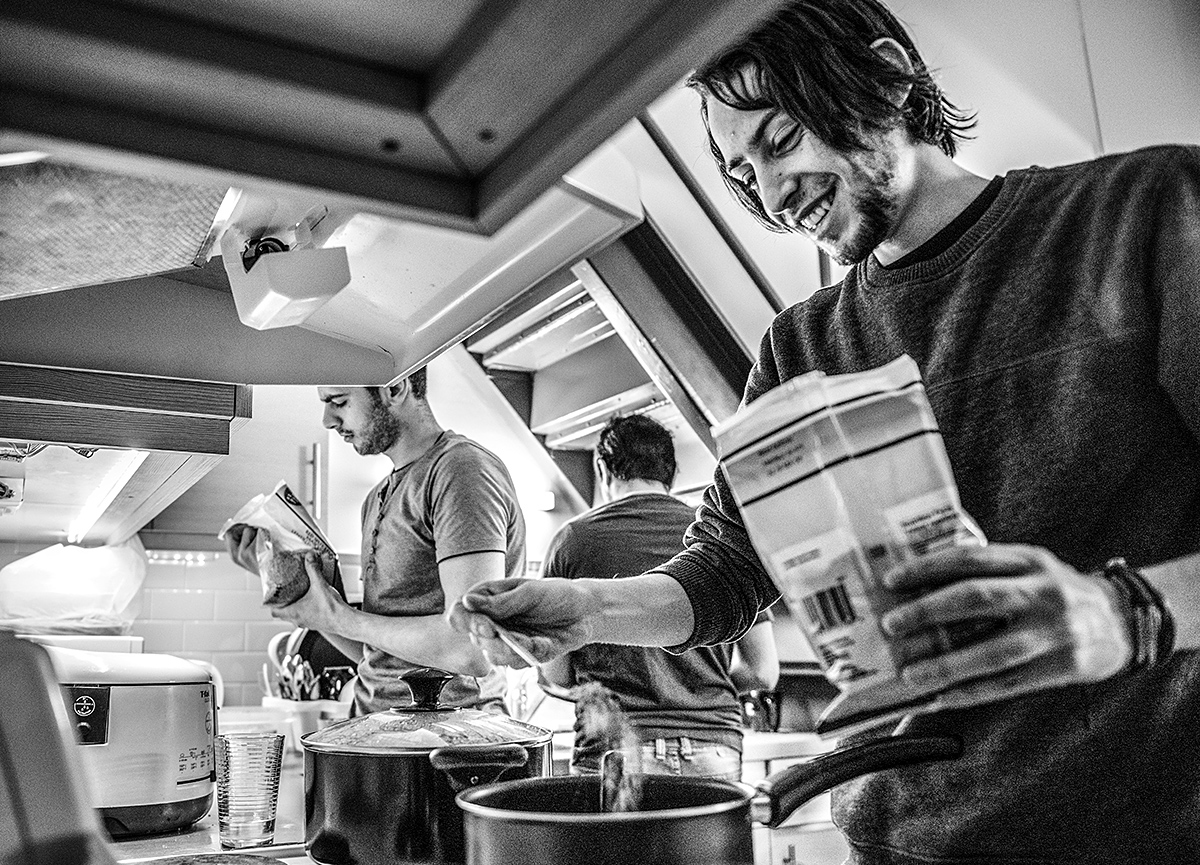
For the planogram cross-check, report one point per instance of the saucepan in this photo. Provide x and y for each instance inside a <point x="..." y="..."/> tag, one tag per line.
<point x="681" y="821"/>
<point x="379" y="789"/>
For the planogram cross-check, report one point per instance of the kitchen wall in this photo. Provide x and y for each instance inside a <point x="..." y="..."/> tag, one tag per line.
<point x="198" y="604"/>
<point x="203" y="606"/>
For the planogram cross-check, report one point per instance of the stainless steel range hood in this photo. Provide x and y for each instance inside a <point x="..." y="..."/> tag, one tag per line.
<point x="408" y="289"/>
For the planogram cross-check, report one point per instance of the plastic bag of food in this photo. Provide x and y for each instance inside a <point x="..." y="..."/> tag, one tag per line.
<point x="286" y="533"/>
<point x="839" y="478"/>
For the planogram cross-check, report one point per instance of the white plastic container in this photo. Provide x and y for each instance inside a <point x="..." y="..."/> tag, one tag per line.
<point x="839" y="478"/>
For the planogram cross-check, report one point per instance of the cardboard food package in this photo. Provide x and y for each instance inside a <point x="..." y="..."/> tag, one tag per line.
<point x="839" y="478"/>
<point x="287" y="531"/>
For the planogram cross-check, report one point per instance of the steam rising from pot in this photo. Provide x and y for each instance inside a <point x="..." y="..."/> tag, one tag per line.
<point x="601" y="720"/>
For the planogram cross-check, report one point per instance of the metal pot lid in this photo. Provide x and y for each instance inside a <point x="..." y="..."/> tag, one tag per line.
<point x="423" y="726"/>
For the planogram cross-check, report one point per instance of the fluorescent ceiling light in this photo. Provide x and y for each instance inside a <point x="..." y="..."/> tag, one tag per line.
<point x="21" y="157"/>
<point x="105" y="492"/>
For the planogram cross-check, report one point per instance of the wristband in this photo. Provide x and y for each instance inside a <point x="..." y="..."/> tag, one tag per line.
<point x="1151" y="626"/>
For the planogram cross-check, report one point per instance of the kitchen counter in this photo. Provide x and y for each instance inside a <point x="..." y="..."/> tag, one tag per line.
<point x="202" y="837"/>
<point x="759" y="746"/>
<point x="763" y="753"/>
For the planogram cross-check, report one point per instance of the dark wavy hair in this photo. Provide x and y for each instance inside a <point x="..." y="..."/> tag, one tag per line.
<point x="814" y="61"/>
<point x="637" y="447"/>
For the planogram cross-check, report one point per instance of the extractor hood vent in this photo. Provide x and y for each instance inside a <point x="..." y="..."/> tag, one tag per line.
<point x="62" y="226"/>
<point x="413" y="290"/>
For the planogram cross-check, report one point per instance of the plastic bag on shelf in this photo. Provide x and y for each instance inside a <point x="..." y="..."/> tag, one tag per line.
<point x="73" y="590"/>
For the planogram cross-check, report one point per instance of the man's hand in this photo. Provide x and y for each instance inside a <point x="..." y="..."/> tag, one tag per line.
<point x="548" y="617"/>
<point x="239" y="541"/>
<point x="320" y="607"/>
<point x="1044" y="623"/>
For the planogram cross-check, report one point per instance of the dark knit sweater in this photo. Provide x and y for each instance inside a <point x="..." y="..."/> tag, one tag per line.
<point x="1059" y="339"/>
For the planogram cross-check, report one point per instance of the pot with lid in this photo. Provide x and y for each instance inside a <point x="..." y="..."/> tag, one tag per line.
<point x="380" y="789"/>
<point x="679" y="821"/>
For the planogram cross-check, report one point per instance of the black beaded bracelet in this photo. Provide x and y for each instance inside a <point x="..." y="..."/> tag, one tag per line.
<point x="1152" y="627"/>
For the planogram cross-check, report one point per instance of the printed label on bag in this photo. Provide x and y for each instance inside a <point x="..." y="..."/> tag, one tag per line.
<point x="826" y="583"/>
<point x="926" y="523"/>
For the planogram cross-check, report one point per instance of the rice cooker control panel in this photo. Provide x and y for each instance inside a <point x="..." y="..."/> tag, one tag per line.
<point x="87" y="706"/>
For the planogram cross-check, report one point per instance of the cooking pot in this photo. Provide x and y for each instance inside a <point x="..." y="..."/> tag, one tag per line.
<point x="681" y="821"/>
<point x="379" y="789"/>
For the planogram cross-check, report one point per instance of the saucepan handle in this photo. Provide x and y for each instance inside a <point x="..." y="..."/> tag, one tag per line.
<point x="783" y="792"/>
<point x="471" y="766"/>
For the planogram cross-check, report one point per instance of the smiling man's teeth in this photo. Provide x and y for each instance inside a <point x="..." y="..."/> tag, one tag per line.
<point x="814" y="217"/>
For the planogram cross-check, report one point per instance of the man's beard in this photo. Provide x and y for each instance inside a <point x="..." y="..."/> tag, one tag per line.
<point x="381" y="432"/>
<point x="875" y="204"/>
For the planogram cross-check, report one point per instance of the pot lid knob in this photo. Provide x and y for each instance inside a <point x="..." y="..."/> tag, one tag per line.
<point x="426" y="684"/>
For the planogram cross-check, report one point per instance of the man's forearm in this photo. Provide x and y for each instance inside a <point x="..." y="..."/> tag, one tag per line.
<point x="648" y="610"/>
<point x="421" y="640"/>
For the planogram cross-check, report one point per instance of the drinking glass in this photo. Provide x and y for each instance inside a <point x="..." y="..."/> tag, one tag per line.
<point x="247" y="787"/>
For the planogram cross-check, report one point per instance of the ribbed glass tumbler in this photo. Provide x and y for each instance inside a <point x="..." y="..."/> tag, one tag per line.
<point x="247" y="787"/>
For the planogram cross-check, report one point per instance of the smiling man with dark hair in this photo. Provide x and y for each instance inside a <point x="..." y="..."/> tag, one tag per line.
<point x="1055" y="317"/>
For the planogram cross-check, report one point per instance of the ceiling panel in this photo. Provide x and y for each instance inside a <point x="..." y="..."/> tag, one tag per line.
<point x="457" y="114"/>
<point x="409" y="34"/>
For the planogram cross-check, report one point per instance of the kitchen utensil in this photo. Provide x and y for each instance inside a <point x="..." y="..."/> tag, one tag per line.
<point x="525" y="655"/>
<point x="333" y="680"/>
<point x="277" y="650"/>
<point x="380" y="788"/>
<point x="145" y="726"/>
<point x="620" y="781"/>
<point x="682" y="820"/>
<point x="248" y="767"/>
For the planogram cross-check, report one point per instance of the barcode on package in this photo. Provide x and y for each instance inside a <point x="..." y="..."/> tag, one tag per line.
<point x="829" y="608"/>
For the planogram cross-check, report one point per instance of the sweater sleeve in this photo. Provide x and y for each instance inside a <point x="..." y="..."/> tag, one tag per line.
<point x="1175" y="255"/>
<point x="719" y="568"/>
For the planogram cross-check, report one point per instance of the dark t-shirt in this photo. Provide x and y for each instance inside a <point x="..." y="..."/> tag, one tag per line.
<point x="662" y="695"/>
<point x="457" y="498"/>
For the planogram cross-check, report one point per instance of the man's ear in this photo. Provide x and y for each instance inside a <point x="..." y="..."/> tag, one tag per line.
<point x="602" y="473"/>
<point x="392" y="394"/>
<point x="893" y="52"/>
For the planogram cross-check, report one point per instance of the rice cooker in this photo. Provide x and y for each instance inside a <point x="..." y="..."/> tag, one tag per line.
<point x="145" y="725"/>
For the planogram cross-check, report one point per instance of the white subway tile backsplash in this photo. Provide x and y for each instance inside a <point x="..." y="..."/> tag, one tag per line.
<point x="202" y="577"/>
<point x="181" y="604"/>
<point x="159" y="637"/>
<point x="242" y="694"/>
<point x="160" y="576"/>
<point x="205" y="607"/>
<point x="241" y="667"/>
<point x="258" y="634"/>
<point x="214" y="636"/>
<point x="241" y="605"/>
